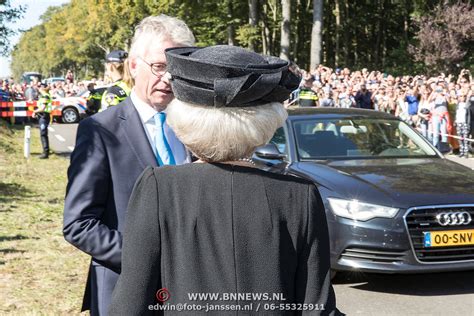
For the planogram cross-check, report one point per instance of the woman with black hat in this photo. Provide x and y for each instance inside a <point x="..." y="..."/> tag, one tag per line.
<point x="220" y="226"/>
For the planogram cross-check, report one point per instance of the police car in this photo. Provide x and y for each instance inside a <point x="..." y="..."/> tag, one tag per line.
<point x="74" y="108"/>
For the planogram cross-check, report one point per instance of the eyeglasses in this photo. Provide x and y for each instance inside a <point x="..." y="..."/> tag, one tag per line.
<point x="158" y="69"/>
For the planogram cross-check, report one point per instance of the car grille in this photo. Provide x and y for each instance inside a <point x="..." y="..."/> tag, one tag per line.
<point x="424" y="220"/>
<point x="373" y="255"/>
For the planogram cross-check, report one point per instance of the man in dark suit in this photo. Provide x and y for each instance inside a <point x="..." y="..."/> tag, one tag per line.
<point x="113" y="148"/>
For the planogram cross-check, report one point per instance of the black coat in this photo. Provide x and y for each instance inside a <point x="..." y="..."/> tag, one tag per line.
<point x="111" y="152"/>
<point x="219" y="228"/>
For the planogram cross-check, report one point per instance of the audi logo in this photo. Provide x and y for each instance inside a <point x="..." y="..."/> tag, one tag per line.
<point x="454" y="218"/>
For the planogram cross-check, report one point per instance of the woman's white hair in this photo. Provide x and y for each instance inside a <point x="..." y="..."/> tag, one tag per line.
<point x="226" y="133"/>
<point x="157" y="28"/>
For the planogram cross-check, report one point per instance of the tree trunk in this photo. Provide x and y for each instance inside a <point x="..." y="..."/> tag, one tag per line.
<point x="406" y="21"/>
<point x="266" y="33"/>
<point x="380" y="30"/>
<point x="285" y="30"/>
<point x="230" y="27"/>
<point x="316" y="34"/>
<point x="345" y="26"/>
<point x="274" y="29"/>
<point x="337" y="12"/>
<point x="296" y="31"/>
<point x="253" y="20"/>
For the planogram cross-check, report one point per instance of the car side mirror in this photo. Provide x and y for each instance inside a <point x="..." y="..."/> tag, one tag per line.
<point x="269" y="151"/>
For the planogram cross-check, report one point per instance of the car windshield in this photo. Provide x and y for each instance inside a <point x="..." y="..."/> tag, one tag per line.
<point x="358" y="138"/>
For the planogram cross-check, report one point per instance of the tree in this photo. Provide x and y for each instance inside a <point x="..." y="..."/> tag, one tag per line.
<point x="316" y="33"/>
<point x="444" y="36"/>
<point x="253" y="20"/>
<point x="285" y="30"/>
<point x="7" y="15"/>
<point x="355" y="33"/>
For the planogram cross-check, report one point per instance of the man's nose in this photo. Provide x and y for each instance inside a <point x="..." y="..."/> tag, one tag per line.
<point x="166" y="77"/>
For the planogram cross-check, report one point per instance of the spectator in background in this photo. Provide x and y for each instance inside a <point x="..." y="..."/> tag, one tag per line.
<point x="59" y="91"/>
<point x="17" y="93"/>
<point x="424" y="114"/>
<point x="31" y="92"/>
<point x="363" y="97"/>
<point x="412" y="101"/>
<point x="69" y="76"/>
<point x="326" y="99"/>
<point x="462" y="122"/>
<point x="4" y="91"/>
<point x="345" y="98"/>
<point x="440" y="116"/>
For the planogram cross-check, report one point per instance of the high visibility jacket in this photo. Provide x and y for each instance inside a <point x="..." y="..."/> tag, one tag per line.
<point x="307" y="97"/>
<point x="45" y="101"/>
<point x="115" y="94"/>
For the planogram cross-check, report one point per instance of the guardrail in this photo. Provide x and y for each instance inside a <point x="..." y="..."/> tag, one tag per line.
<point x="18" y="109"/>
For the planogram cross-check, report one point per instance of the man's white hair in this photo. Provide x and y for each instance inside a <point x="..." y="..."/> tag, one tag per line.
<point x="226" y="133"/>
<point x="158" y="28"/>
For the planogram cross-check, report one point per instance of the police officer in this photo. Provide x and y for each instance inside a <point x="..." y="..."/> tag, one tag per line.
<point x="43" y="114"/>
<point x="120" y="89"/>
<point x="307" y="96"/>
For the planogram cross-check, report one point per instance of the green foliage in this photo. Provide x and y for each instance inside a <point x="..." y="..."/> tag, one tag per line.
<point x="247" y="34"/>
<point x="358" y="33"/>
<point x="7" y="15"/>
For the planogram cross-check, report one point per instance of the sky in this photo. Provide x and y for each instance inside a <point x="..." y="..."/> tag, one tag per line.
<point x="34" y="9"/>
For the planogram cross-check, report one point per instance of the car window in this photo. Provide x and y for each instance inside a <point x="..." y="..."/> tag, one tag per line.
<point x="279" y="139"/>
<point x="358" y="137"/>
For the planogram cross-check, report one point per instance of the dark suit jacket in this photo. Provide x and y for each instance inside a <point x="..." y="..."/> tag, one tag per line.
<point x="217" y="228"/>
<point x="111" y="151"/>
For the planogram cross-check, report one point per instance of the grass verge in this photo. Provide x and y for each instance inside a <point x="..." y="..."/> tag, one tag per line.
<point x="40" y="273"/>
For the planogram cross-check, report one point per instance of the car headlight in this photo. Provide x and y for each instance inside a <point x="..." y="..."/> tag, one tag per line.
<point x="359" y="211"/>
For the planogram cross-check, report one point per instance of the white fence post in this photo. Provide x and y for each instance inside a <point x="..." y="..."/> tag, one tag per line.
<point x="26" y="149"/>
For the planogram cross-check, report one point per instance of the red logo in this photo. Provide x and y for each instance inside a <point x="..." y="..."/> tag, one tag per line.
<point x="162" y="295"/>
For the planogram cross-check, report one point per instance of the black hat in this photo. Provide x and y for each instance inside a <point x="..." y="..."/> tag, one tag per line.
<point x="116" y="56"/>
<point x="228" y="76"/>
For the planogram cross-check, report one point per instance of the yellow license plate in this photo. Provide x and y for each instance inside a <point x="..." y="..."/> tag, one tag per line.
<point x="449" y="238"/>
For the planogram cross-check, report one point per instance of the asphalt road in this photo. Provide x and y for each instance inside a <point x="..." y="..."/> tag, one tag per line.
<point x="370" y="294"/>
<point x="412" y="294"/>
<point x="62" y="138"/>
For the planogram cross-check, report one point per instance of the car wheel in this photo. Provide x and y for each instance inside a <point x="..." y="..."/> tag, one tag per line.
<point x="70" y="116"/>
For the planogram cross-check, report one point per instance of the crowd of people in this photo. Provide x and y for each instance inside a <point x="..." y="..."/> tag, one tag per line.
<point x="13" y="91"/>
<point x="438" y="106"/>
<point x="435" y="105"/>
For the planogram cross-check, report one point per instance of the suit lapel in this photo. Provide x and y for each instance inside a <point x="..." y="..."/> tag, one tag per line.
<point x="135" y="135"/>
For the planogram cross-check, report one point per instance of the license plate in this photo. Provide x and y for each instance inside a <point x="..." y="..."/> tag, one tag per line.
<point x="449" y="238"/>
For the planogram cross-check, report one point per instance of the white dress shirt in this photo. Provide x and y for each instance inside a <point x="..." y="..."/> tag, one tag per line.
<point x="147" y="113"/>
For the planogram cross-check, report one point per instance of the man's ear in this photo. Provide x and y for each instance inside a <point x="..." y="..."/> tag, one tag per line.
<point x="133" y="65"/>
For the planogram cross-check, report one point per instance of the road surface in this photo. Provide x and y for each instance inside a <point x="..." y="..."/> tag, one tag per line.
<point x="62" y="138"/>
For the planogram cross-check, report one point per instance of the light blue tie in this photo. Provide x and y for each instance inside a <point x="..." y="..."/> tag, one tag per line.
<point x="164" y="154"/>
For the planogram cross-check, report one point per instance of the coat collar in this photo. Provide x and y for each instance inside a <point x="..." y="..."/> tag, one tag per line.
<point x="135" y="134"/>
